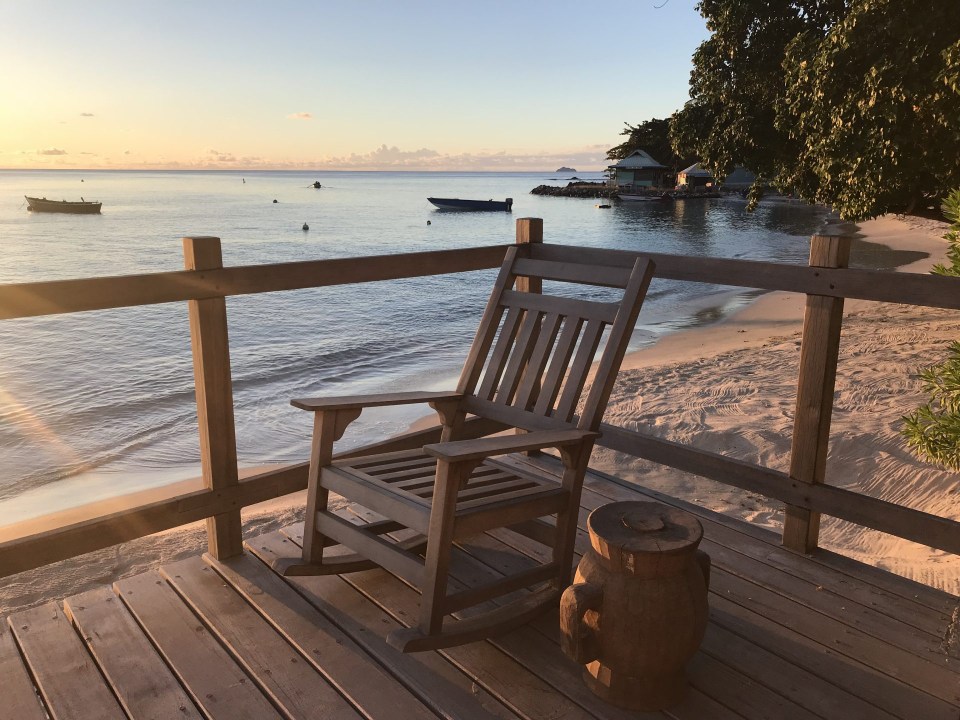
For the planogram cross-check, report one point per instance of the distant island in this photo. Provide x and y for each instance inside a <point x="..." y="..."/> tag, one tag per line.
<point x="565" y="169"/>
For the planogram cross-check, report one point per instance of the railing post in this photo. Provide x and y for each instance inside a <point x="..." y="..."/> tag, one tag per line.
<point x="529" y="230"/>
<point x="214" y="390"/>
<point x="819" y="349"/>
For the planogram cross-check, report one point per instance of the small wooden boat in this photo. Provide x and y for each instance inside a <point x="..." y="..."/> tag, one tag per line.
<point x="458" y="204"/>
<point x="649" y="197"/>
<point x="83" y="207"/>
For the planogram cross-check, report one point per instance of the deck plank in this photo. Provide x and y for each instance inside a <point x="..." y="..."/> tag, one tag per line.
<point x="494" y="555"/>
<point x="705" y="673"/>
<point x="139" y="677"/>
<point x="925" y="675"/>
<point x="503" y="678"/>
<point x="334" y="653"/>
<point x="20" y="700"/>
<point x="542" y="656"/>
<point x="791" y="681"/>
<point x="288" y="679"/>
<point x="790" y="636"/>
<point x="216" y="683"/>
<point x="870" y="685"/>
<point x="811" y="594"/>
<point x="943" y="604"/>
<point x="821" y="570"/>
<point x="67" y="677"/>
<point x="437" y="682"/>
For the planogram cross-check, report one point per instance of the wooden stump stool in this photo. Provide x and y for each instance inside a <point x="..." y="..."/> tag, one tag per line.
<point x="637" y="610"/>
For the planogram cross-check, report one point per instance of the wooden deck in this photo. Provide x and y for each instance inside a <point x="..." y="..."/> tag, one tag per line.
<point x="789" y="637"/>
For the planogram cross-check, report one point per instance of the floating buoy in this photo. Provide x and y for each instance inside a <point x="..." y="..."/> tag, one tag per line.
<point x="274" y="199"/>
<point x="305" y="227"/>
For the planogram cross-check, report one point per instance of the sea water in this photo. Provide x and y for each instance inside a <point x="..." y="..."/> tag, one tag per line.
<point x="97" y="404"/>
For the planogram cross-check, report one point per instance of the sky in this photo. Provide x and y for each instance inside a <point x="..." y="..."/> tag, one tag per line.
<point x="345" y="85"/>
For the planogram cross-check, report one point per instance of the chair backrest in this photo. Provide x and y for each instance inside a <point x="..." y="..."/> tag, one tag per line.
<point x="533" y="352"/>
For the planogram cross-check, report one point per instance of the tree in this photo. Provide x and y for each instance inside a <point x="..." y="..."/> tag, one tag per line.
<point x="654" y="137"/>
<point x="933" y="430"/>
<point x="850" y="103"/>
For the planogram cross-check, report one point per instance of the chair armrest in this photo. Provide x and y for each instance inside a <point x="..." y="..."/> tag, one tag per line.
<point x="459" y="450"/>
<point x="354" y="402"/>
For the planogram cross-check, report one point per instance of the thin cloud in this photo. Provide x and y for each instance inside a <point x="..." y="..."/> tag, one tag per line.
<point x="86" y="115"/>
<point x="52" y="151"/>
<point x="387" y="157"/>
<point x="219" y="156"/>
<point x="300" y="116"/>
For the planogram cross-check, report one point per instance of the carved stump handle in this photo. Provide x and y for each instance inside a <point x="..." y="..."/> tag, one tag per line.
<point x="577" y="640"/>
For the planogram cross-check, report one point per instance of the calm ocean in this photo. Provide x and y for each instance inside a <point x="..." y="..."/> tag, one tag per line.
<point x="101" y="403"/>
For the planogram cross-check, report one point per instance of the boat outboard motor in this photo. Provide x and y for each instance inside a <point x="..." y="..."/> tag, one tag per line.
<point x="509" y="204"/>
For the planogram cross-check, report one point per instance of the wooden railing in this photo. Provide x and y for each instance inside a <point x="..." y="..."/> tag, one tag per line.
<point x="205" y="284"/>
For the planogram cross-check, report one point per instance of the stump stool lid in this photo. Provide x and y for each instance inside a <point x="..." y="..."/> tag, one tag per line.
<point x="641" y="537"/>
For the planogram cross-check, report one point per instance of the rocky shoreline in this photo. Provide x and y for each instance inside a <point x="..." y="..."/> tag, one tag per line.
<point x="577" y="189"/>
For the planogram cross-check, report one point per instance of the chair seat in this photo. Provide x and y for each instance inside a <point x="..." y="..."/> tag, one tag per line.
<point x="400" y="485"/>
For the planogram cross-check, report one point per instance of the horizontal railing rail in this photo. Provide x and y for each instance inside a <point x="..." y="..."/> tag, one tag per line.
<point x="916" y="525"/>
<point x="220" y="501"/>
<point x="59" y="297"/>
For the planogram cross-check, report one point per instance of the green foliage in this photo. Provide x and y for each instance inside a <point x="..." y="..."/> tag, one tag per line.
<point x="654" y="137"/>
<point x="933" y="430"/>
<point x="850" y="103"/>
<point x="951" y="211"/>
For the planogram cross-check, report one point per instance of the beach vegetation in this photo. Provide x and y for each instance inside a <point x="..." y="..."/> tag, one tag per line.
<point x="853" y="104"/>
<point x="933" y="430"/>
<point x="653" y="136"/>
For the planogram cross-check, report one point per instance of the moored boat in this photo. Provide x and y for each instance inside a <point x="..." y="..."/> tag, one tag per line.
<point x="649" y="197"/>
<point x="458" y="204"/>
<point x="83" y="207"/>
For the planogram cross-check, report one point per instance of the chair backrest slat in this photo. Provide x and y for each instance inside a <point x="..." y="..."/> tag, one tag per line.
<point x="530" y="384"/>
<point x="609" y="365"/>
<point x="488" y="326"/>
<point x="533" y="352"/>
<point x="501" y="353"/>
<point x="522" y="349"/>
<point x="577" y="377"/>
<point x="553" y="380"/>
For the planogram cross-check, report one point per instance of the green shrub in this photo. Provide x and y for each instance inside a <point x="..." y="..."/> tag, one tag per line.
<point x="933" y="430"/>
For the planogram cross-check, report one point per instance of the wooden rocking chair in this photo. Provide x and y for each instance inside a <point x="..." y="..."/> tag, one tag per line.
<point x="543" y="348"/>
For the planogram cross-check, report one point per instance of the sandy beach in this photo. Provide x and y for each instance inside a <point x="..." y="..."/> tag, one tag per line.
<point x="731" y="388"/>
<point x="728" y="388"/>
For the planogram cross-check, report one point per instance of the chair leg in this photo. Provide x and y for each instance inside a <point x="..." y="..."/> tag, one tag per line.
<point x="321" y="453"/>
<point x="575" y="466"/>
<point x="440" y="544"/>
